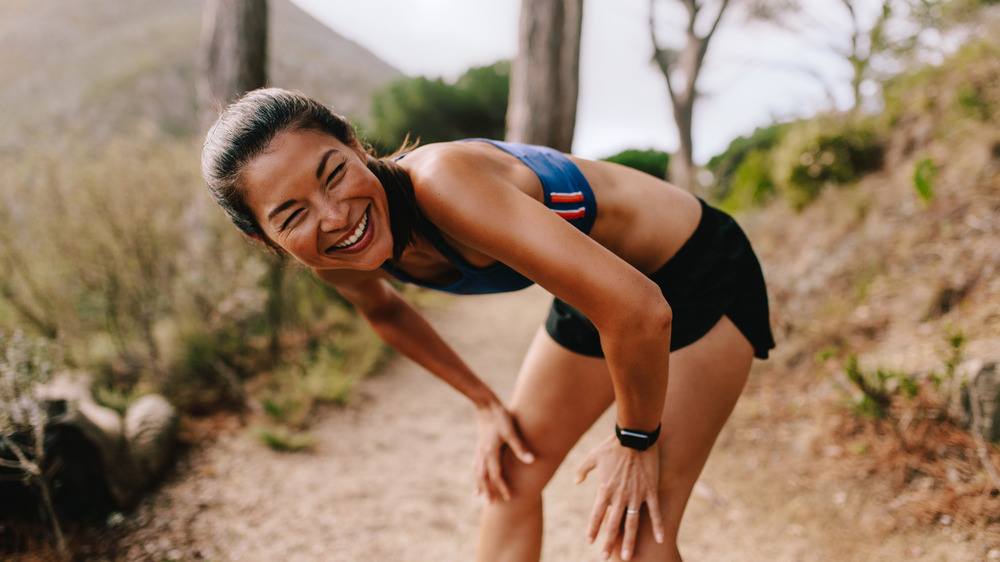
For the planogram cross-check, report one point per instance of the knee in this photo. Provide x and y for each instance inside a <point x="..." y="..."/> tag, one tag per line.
<point x="677" y="479"/>
<point x="526" y="481"/>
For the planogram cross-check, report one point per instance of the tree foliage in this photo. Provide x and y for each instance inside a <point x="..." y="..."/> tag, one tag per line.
<point x="433" y="110"/>
<point x="725" y="167"/>
<point x="653" y="162"/>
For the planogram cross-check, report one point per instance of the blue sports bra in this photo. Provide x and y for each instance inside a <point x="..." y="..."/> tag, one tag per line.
<point x="567" y="193"/>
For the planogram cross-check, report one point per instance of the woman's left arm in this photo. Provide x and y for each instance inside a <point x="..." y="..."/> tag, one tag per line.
<point x="493" y="216"/>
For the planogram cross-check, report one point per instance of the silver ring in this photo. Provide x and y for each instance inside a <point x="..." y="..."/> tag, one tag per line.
<point x="631" y="511"/>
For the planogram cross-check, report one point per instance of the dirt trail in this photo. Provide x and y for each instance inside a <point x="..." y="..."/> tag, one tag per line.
<point x="391" y="478"/>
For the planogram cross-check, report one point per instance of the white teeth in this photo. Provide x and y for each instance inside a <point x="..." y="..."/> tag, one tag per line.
<point x="358" y="233"/>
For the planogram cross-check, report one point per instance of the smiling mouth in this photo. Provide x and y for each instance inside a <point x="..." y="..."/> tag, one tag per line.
<point x="355" y="236"/>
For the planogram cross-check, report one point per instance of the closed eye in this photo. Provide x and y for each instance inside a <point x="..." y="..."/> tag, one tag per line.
<point x="336" y="171"/>
<point x="288" y="221"/>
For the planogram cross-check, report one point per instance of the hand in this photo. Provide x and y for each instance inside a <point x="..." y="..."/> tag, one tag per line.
<point x="629" y="478"/>
<point x="496" y="429"/>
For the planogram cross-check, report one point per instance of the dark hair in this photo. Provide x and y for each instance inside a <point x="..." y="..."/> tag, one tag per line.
<point x="247" y="127"/>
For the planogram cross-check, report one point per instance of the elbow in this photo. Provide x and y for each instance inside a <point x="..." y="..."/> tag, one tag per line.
<point x="659" y="315"/>
<point x="652" y="307"/>
<point x="646" y="312"/>
<point x="666" y="317"/>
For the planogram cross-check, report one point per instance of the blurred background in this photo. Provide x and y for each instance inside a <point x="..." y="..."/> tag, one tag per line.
<point x="858" y="140"/>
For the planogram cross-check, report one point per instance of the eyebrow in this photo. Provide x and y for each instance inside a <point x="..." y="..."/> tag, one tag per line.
<point x="322" y="162"/>
<point x="319" y="172"/>
<point x="280" y="208"/>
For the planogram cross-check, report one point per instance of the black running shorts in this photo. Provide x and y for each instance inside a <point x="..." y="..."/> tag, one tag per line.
<point x="714" y="274"/>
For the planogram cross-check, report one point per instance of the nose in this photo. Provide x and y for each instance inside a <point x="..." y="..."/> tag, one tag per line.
<point x="334" y="218"/>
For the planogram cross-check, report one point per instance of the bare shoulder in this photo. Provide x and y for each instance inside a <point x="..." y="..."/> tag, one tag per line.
<point x="446" y="160"/>
<point x="449" y="171"/>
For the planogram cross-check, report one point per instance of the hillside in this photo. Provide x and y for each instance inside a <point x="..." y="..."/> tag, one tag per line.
<point x="106" y="65"/>
<point x="904" y="290"/>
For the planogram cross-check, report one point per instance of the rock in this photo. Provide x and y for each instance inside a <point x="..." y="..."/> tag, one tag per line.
<point x="981" y="392"/>
<point x="133" y="451"/>
<point x="150" y="429"/>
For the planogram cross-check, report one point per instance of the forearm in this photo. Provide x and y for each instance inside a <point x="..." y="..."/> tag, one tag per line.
<point x="405" y="329"/>
<point x="638" y="355"/>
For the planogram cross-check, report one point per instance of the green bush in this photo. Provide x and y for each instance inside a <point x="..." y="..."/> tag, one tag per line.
<point x="751" y="184"/>
<point x="117" y="251"/>
<point x="653" y="162"/>
<point x="726" y="167"/>
<point x="433" y="110"/>
<point x="924" y="173"/>
<point x="822" y="152"/>
<point x="963" y="88"/>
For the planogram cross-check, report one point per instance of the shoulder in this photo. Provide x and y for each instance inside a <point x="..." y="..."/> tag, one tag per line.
<point x="447" y="173"/>
<point x="447" y="160"/>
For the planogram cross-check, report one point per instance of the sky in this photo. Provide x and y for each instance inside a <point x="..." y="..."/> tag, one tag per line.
<point x="623" y="99"/>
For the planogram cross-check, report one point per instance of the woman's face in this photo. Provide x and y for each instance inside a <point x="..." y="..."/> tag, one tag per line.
<point x="315" y="197"/>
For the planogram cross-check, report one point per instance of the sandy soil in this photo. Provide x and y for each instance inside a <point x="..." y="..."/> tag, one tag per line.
<point x="391" y="478"/>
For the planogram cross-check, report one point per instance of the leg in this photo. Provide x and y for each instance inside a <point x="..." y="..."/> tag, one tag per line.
<point x="551" y="377"/>
<point x="706" y="379"/>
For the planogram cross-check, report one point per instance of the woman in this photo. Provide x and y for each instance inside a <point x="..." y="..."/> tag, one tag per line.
<point x="613" y="245"/>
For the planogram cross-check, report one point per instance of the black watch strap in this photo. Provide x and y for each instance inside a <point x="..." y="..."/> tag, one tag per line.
<point x="638" y="440"/>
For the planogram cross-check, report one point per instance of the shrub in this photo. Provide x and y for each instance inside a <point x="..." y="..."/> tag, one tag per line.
<point x="821" y="152"/>
<point x="924" y="173"/>
<point x="751" y="183"/>
<point x="653" y="162"/>
<point x="433" y="110"/>
<point x="24" y="364"/>
<point x="118" y="251"/>
<point x="726" y="167"/>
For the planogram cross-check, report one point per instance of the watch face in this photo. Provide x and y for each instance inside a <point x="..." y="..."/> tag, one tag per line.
<point x="633" y="439"/>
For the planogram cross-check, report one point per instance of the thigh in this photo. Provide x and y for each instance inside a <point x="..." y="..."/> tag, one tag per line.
<point x="706" y="379"/>
<point x="558" y="395"/>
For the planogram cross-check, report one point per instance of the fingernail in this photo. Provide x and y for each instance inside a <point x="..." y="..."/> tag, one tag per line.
<point x="605" y="555"/>
<point x="529" y="458"/>
<point x="659" y="538"/>
<point x="626" y="555"/>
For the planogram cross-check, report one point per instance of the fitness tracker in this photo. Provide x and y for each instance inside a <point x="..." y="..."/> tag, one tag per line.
<point x="638" y="440"/>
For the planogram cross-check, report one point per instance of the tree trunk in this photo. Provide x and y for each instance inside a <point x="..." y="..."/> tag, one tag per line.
<point x="684" y="66"/>
<point x="545" y="78"/>
<point x="233" y="52"/>
<point x="234" y="61"/>
<point x="681" y="170"/>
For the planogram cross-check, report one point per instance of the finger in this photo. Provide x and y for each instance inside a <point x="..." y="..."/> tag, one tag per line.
<point x="520" y="450"/>
<point x="612" y="528"/>
<point x="629" y="532"/>
<point x="596" y="517"/>
<point x="584" y="469"/>
<point x="496" y="477"/>
<point x="482" y="478"/>
<point x="655" y="517"/>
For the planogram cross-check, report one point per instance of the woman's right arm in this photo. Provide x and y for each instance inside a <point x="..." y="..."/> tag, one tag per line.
<point x="399" y="324"/>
